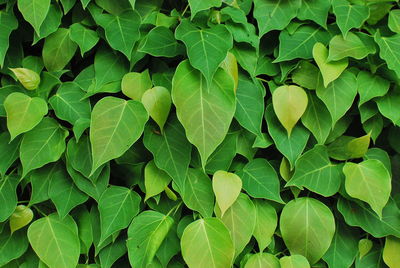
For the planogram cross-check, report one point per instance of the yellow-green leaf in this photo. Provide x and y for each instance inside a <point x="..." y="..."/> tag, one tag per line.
<point x="21" y="217"/>
<point x="226" y="187"/>
<point x="28" y="78"/>
<point x="364" y="246"/>
<point x="157" y="102"/>
<point x="391" y="251"/>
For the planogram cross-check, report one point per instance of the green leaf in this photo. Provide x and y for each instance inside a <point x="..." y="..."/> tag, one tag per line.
<point x="23" y="113"/>
<point x="9" y="152"/>
<point x="290" y="103"/>
<point x="388" y="106"/>
<point x="274" y="15"/>
<point x="351" y="46"/>
<point x="155" y="180"/>
<point x="370" y="86"/>
<point x="68" y="103"/>
<point x="117" y="207"/>
<point x="196" y="6"/>
<point x="171" y="150"/>
<point x="8" y="196"/>
<point x="266" y="223"/>
<point x="307" y="227"/>
<point x="330" y="70"/>
<point x="82" y="216"/>
<point x="160" y="42"/>
<point x="58" y="50"/>
<point x="345" y="147"/>
<point x="315" y="171"/>
<point x="157" y="102"/>
<point x="21" y="217"/>
<point x="306" y="75"/>
<point x="370" y="182"/>
<point x="55" y="241"/>
<point x="260" y="180"/>
<point x="13" y="246"/>
<point x="300" y="43"/>
<point x="197" y="193"/>
<point x="8" y="23"/>
<point x="349" y="16"/>
<point x="294" y="261"/>
<point x="145" y="235"/>
<point x="260" y="260"/>
<point x="122" y="31"/>
<point x="42" y="145"/>
<point x="339" y="95"/>
<point x="291" y="147"/>
<point x="28" y="78"/>
<point x="210" y="237"/>
<point x="364" y="246"/>
<point x="50" y="23"/>
<point x="34" y="11"/>
<point x="116" y="124"/>
<point x="84" y="37"/>
<point x="226" y="187"/>
<point x="110" y="254"/>
<point x="205" y="113"/>
<point x="206" y="48"/>
<point x="389" y="50"/>
<point x="315" y="10"/>
<point x="392" y="246"/>
<point x="135" y="84"/>
<point x="372" y="259"/>
<point x="394" y="20"/>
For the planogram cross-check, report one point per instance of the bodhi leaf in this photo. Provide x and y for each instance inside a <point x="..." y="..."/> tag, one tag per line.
<point x="42" y="145"/>
<point x="8" y="23"/>
<point x="8" y="196"/>
<point x="23" y="113"/>
<point x="394" y="20"/>
<point x="390" y="251"/>
<point x="315" y="171"/>
<point x="388" y="106"/>
<point x="196" y="6"/>
<point x="206" y="48"/>
<point x="349" y="16"/>
<point x="55" y="241"/>
<point x="84" y="37"/>
<point x="226" y="187"/>
<point x="135" y="84"/>
<point x="315" y="10"/>
<point x="266" y="223"/>
<point x="364" y="246"/>
<point x="34" y="11"/>
<point x="210" y="237"/>
<point x="205" y="113"/>
<point x="330" y="70"/>
<point x="351" y="46"/>
<point x="116" y="124"/>
<point x="21" y="217"/>
<point x="160" y="42"/>
<point x="157" y="102"/>
<point x="290" y="103"/>
<point x="260" y="260"/>
<point x="389" y="50"/>
<point x="155" y="180"/>
<point x="294" y="261"/>
<point x="307" y="227"/>
<point x="370" y="86"/>
<point x="370" y="182"/>
<point x="145" y="235"/>
<point x="274" y="15"/>
<point x="28" y="78"/>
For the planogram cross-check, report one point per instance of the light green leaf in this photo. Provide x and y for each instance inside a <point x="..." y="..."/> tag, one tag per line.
<point x="261" y="260"/>
<point x="116" y="124"/>
<point x="84" y="37"/>
<point x="8" y="196"/>
<point x="206" y="48"/>
<point x="58" y="50"/>
<point x="8" y="23"/>
<point x="330" y="70"/>
<point x="294" y="261"/>
<point x="21" y="217"/>
<point x="117" y="206"/>
<point x="160" y="42"/>
<point x="260" y="180"/>
<point x="145" y="235"/>
<point x="315" y="10"/>
<point x="390" y="251"/>
<point x="69" y="103"/>
<point x="226" y="187"/>
<point x="351" y="46"/>
<point x="155" y="180"/>
<point x="300" y="43"/>
<point x="171" y="150"/>
<point x="389" y="107"/>
<point x="55" y="241"/>
<point x="370" y="182"/>
<point x="196" y="6"/>
<point x="23" y="113"/>
<point x="370" y="86"/>
<point x="290" y="103"/>
<point x="240" y="219"/>
<point x="42" y="145"/>
<point x="34" y="11"/>
<point x="349" y="16"/>
<point x="346" y="147"/>
<point x="339" y="95"/>
<point x="307" y="227"/>
<point x="122" y="31"/>
<point x="135" y="84"/>
<point x="157" y="101"/>
<point x="291" y="147"/>
<point x="198" y="193"/>
<point x="364" y="246"/>
<point x="394" y="20"/>
<point x="210" y="237"/>
<point x="205" y="113"/>
<point x="389" y="50"/>
<point x="28" y="78"/>
<point x="274" y="15"/>
<point x="306" y="75"/>
<point x="266" y="223"/>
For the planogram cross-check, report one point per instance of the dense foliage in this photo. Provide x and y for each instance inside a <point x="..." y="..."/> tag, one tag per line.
<point x="200" y="133"/>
